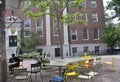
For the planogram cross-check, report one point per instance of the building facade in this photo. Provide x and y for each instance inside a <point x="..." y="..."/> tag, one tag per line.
<point x="76" y="39"/>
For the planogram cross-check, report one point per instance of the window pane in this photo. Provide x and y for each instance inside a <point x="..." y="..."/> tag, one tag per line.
<point x="85" y="34"/>
<point x="55" y="28"/>
<point x="27" y="27"/>
<point x="74" y="34"/>
<point x="93" y="4"/>
<point x="84" y="16"/>
<point x="74" y="50"/>
<point x="94" y="17"/>
<point x="86" y="49"/>
<point x="39" y="27"/>
<point x="95" y="33"/>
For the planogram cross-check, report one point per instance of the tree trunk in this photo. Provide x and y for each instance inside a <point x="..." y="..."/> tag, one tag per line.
<point x="3" y="63"/>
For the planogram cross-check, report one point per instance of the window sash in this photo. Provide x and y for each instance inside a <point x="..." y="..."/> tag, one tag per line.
<point x="85" y="34"/>
<point x="96" y="33"/>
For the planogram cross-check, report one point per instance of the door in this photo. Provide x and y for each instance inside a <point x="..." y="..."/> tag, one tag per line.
<point x="57" y="52"/>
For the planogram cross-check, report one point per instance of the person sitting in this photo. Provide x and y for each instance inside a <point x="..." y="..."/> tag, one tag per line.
<point x="14" y="60"/>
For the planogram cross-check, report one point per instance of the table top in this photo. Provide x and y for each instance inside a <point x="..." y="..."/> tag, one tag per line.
<point x="64" y="62"/>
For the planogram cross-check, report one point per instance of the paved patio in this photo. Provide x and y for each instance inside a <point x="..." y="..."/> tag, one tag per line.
<point x="107" y="76"/>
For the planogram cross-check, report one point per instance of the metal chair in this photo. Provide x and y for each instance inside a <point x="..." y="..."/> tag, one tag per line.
<point x="35" y="69"/>
<point x="20" y="74"/>
<point x="110" y="63"/>
<point x="84" y="74"/>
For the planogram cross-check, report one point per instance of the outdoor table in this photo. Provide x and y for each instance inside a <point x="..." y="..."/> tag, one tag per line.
<point x="63" y="62"/>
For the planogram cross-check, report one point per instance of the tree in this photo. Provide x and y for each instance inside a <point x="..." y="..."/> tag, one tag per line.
<point x="30" y="43"/>
<point x="57" y="7"/>
<point x="115" y="6"/>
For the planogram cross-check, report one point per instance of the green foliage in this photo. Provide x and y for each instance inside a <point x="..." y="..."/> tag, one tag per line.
<point x="57" y="7"/>
<point x="30" y="55"/>
<point x="110" y="35"/>
<point x="114" y="5"/>
<point x="32" y="42"/>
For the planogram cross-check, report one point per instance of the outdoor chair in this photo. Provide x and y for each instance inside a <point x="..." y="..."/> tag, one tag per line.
<point x="20" y="74"/>
<point x="97" y="60"/>
<point x="84" y="74"/>
<point x="97" y="69"/>
<point x="35" y="69"/>
<point x="70" y="70"/>
<point x="110" y="63"/>
<point x="46" y="68"/>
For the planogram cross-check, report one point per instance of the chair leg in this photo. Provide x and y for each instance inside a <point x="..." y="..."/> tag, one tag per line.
<point x="104" y="67"/>
<point x="113" y="67"/>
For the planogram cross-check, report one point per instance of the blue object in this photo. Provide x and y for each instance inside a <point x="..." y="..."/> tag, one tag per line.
<point x="58" y="79"/>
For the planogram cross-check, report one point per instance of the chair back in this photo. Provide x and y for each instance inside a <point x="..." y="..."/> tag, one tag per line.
<point x="98" y="60"/>
<point x="20" y="71"/>
<point x="36" y="67"/>
<point x="97" y="67"/>
<point x="71" y="66"/>
<point x="80" y="70"/>
<point x="81" y="62"/>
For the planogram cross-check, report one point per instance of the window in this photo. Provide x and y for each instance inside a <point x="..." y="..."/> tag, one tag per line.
<point x="74" y="50"/>
<point x="12" y="41"/>
<point x="85" y="49"/>
<point x="93" y="4"/>
<point x="85" y="34"/>
<point x="27" y="27"/>
<point x="40" y="27"/>
<point x="94" y="17"/>
<point x="96" y="33"/>
<point x="84" y="16"/>
<point x="96" y="49"/>
<point x="27" y="4"/>
<point x="74" y="34"/>
<point x="55" y="28"/>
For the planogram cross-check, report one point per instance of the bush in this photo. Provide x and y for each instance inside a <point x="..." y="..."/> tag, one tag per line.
<point x="30" y="55"/>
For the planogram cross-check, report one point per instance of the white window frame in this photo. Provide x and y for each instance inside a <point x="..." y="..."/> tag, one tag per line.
<point x="94" y="17"/>
<point x="27" y="28"/>
<point x="74" y="33"/>
<point x="86" y="34"/>
<point x="39" y="28"/>
<point x="95" y="34"/>
<point x="84" y="16"/>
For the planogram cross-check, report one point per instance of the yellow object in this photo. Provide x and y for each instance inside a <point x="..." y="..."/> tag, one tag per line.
<point x="86" y="56"/>
<point x="71" y="70"/>
<point x="110" y="63"/>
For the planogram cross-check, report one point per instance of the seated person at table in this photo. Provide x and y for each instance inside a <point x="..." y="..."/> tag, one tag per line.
<point x="12" y="60"/>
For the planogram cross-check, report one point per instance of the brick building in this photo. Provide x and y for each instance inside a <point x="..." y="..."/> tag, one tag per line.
<point x="76" y="38"/>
